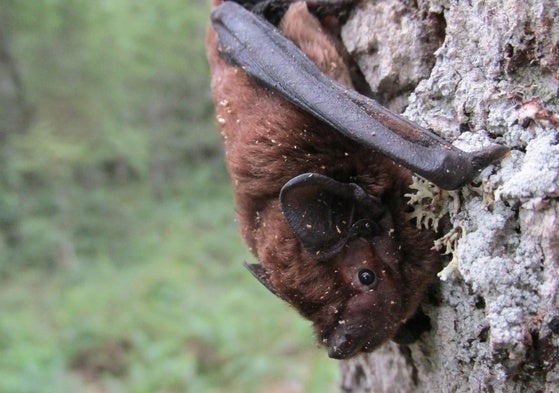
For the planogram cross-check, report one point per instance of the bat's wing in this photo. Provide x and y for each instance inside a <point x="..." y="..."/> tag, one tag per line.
<point x="254" y="44"/>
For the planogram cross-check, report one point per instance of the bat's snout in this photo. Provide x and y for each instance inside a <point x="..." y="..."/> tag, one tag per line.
<point x="343" y="346"/>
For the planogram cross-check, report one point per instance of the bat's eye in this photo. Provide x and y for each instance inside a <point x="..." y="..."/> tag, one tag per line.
<point x="366" y="276"/>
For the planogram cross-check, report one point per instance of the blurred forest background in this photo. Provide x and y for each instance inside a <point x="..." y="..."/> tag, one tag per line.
<point x="120" y="263"/>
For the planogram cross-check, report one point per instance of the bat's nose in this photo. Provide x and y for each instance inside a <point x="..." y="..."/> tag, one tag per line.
<point x="342" y="346"/>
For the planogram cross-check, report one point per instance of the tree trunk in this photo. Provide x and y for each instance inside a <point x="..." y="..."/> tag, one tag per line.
<point x="14" y="110"/>
<point x="15" y="115"/>
<point x="477" y="70"/>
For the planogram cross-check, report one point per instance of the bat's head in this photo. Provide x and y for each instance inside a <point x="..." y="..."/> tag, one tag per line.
<point x="369" y="307"/>
<point x="347" y="276"/>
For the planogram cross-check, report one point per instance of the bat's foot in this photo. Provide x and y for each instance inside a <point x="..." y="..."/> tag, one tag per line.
<point x="331" y="11"/>
<point x="271" y="10"/>
<point x="414" y="327"/>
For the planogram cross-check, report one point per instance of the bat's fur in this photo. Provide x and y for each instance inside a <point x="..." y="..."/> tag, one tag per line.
<point x="267" y="142"/>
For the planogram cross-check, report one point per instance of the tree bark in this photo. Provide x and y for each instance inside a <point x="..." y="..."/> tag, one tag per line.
<point x="477" y="70"/>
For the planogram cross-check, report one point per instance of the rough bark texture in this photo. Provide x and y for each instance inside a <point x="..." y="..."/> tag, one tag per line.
<point x="477" y="70"/>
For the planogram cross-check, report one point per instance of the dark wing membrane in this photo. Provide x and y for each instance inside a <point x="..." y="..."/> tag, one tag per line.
<point x="266" y="55"/>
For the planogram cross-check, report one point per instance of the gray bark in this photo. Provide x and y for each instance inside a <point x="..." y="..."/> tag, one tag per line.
<point x="477" y="70"/>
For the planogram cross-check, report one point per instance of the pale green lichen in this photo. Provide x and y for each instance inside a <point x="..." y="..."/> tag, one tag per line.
<point x="430" y="204"/>
<point x="449" y="242"/>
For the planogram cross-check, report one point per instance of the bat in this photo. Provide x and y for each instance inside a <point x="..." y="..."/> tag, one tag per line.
<point x="319" y="173"/>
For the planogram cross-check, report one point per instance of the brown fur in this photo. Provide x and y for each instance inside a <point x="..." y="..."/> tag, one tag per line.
<point x="269" y="141"/>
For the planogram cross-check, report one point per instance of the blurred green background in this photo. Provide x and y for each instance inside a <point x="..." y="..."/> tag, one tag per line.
<point x="120" y="263"/>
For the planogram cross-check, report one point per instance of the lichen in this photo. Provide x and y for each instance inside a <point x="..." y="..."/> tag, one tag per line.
<point x="449" y="242"/>
<point x="430" y="203"/>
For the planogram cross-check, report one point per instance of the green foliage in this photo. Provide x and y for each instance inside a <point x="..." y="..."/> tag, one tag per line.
<point x="119" y="255"/>
<point x="120" y="91"/>
<point x="185" y="317"/>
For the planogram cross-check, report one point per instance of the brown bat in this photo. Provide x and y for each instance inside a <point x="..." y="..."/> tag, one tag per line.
<point x="318" y="176"/>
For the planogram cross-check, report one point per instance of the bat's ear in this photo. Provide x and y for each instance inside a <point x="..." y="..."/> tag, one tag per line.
<point x="262" y="275"/>
<point x="321" y="211"/>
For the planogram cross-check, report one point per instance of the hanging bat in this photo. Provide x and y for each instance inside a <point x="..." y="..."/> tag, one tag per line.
<point x="319" y="172"/>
